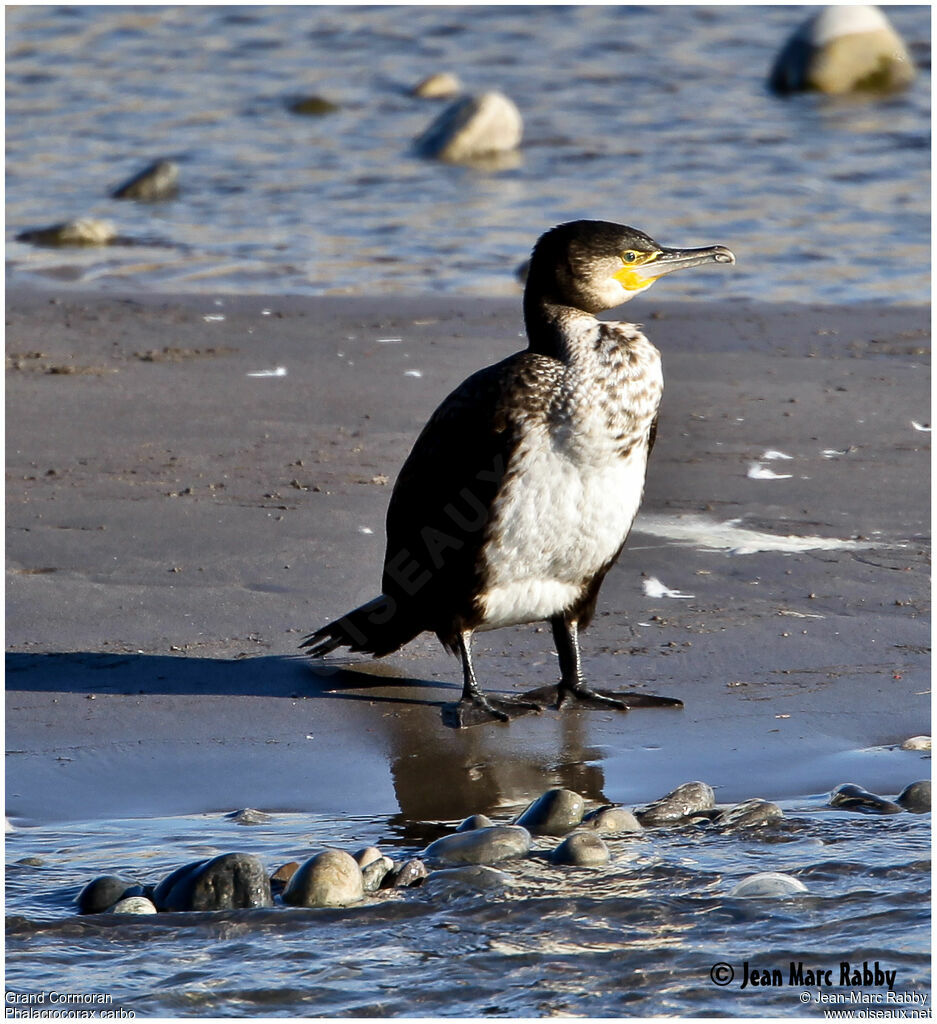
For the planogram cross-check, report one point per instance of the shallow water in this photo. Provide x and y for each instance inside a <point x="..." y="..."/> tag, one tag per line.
<point x="656" y="116"/>
<point x="636" y="938"/>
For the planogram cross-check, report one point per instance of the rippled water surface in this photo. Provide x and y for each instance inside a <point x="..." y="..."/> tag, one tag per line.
<point x="656" y="116"/>
<point x="636" y="938"/>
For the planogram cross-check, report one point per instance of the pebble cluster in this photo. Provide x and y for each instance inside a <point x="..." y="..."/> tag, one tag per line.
<point x="463" y="860"/>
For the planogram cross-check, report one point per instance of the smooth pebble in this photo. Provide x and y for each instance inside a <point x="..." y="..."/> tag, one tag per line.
<point x="555" y="813"/>
<point x="769" y="883"/>
<point x="581" y="849"/>
<point x="331" y="878"/>
<point x="842" y="49"/>
<point x="480" y="846"/>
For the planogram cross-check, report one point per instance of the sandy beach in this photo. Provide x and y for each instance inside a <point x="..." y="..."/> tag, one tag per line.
<point x="194" y="484"/>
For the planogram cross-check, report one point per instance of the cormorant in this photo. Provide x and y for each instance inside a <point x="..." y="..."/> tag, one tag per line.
<point x="520" y="492"/>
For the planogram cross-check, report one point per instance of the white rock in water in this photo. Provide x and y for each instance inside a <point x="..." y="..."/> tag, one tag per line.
<point x="769" y="883"/>
<point x="843" y="49"/>
<point x="133" y="905"/>
<point x="917" y="743"/>
<point x="473" y="127"/>
<point x="440" y="86"/>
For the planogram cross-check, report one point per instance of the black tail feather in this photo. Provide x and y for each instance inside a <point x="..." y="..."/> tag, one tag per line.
<point x="378" y="627"/>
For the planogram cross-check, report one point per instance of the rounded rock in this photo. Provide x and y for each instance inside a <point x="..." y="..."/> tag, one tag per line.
<point x="374" y="873"/>
<point x="133" y="905"/>
<point x="750" y="814"/>
<point x="612" y="821"/>
<point x="440" y="86"/>
<point x="555" y="813"/>
<point x="683" y="802"/>
<point x="916" y="797"/>
<point x="282" y="875"/>
<point x="411" y="874"/>
<point x="480" y="846"/>
<point x="769" y="884"/>
<point x="851" y="797"/>
<point x="331" y="878"/>
<point x="83" y="231"/>
<point x="843" y="49"/>
<point x="583" y="850"/>
<point x="231" y="881"/>
<point x="103" y="892"/>
<point x="312" y="106"/>
<point x="474" y="821"/>
<point x="473" y="127"/>
<point x="917" y="743"/>
<point x="157" y="181"/>
<point x="248" y="816"/>
<point x="367" y="856"/>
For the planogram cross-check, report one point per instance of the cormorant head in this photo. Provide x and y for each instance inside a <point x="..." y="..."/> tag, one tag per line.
<point x="594" y="265"/>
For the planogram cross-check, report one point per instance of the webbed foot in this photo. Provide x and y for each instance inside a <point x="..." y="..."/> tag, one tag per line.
<point x="481" y="710"/>
<point x="584" y="698"/>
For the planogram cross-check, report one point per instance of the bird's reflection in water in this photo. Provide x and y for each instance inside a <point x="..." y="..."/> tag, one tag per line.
<point x="441" y="775"/>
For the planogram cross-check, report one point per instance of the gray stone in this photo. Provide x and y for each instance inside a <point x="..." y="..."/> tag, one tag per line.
<point x="466" y="880"/>
<point x="83" y="231"/>
<point x="750" y="814"/>
<point x="282" y="875"/>
<point x="156" y="182"/>
<point x="683" y="802"/>
<point x="331" y="878"/>
<point x="374" y="873"/>
<point x="412" y="873"/>
<point x="230" y="881"/>
<point x="248" y="816"/>
<point x="555" y="813"/>
<point x="133" y="905"/>
<point x="916" y="797"/>
<point x="612" y="821"/>
<point x="480" y="846"/>
<point x="581" y="849"/>
<point x="843" y="49"/>
<point x="474" y="821"/>
<point x="103" y="892"/>
<point x="471" y="127"/>
<point x="312" y="106"/>
<point x="366" y="855"/>
<point x="851" y="797"/>
<point x="439" y="86"/>
<point x="769" y="883"/>
<point x="917" y="743"/>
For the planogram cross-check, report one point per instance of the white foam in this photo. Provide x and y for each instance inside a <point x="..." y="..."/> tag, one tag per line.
<point x="708" y="535"/>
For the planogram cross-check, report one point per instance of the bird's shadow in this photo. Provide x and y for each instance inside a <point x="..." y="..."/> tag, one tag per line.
<point x="289" y="676"/>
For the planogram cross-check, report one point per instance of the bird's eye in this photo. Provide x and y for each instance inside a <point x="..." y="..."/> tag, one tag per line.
<point x="630" y="256"/>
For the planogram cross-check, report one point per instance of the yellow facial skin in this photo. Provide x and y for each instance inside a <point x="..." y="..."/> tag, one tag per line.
<point x="627" y="277"/>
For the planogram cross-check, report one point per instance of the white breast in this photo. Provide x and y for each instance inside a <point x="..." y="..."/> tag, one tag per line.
<point x="570" y="495"/>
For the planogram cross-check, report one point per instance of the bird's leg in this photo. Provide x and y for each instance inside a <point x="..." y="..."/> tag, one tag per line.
<point x="474" y="708"/>
<point x="471" y="694"/>
<point x="572" y="690"/>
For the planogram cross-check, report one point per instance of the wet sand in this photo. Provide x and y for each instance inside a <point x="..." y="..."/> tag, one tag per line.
<point x="175" y="525"/>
